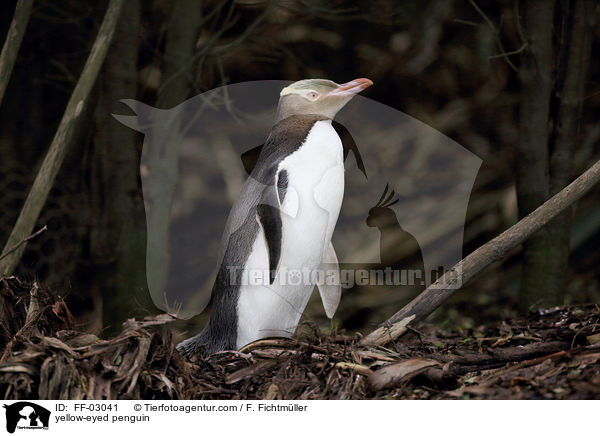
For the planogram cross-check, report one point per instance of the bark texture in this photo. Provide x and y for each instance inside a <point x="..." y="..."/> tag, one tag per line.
<point x="161" y="157"/>
<point x="576" y="50"/>
<point x="535" y="74"/>
<point x="116" y="239"/>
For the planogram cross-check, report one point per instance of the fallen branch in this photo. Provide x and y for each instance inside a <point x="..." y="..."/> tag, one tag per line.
<point x="460" y="364"/>
<point x="58" y="149"/>
<point x="432" y="297"/>
<point x="11" y="46"/>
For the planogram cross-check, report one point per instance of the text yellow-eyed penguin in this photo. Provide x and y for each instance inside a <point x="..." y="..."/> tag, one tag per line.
<point x="277" y="241"/>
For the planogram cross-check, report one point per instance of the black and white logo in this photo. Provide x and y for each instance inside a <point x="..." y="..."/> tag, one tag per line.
<point x="26" y="415"/>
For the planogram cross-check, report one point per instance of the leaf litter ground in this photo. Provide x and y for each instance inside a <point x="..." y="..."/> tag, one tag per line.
<point x="552" y="354"/>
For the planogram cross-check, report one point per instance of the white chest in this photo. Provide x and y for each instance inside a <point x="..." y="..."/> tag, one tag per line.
<point x="315" y="173"/>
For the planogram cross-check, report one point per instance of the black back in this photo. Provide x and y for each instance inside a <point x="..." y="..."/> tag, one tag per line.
<point x="221" y="331"/>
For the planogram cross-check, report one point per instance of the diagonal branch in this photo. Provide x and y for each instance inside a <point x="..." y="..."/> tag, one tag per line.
<point x="10" y="49"/>
<point x="432" y="297"/>
<point x="58" y="148"/>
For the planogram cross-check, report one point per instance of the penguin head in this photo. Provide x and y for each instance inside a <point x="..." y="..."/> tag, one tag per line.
<point x="318" y="97"/>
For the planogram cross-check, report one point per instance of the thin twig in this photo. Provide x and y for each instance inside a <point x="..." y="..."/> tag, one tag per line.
<point x="519" y="26"/>
<point x="467" y="22"/>
<point x="23" y="241"/>
<point x="509" y="53"/>
<point x="496" y="35"/>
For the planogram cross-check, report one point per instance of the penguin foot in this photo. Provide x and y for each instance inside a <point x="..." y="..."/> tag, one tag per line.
<point x="190" y="347"/>
<point x="204" y="344"/>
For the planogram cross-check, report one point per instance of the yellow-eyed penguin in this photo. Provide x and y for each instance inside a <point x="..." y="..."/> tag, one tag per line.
<point x="277" y="241"/>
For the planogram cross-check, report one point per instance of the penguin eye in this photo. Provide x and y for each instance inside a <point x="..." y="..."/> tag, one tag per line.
<point x="312" y="95"/>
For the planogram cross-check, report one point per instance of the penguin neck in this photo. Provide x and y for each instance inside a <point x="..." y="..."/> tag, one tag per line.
<point x="285" y="137"/>
<point x="283" y="113"/>
<point x="297" y="126"/>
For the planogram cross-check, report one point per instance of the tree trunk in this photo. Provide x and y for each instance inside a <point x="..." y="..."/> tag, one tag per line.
<point x="117" y="233"/>
<point x="178" y="70"/>
<point x="576" y="52"/>
<point x="161" y="158"/>
<point x="535" y="73"/>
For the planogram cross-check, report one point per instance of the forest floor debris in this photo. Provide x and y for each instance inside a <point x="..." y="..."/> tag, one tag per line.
<point x="552" y="354"/>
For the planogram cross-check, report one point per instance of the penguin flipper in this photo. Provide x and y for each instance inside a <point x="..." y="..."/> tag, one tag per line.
<point x="349" y="144"/>
<point x="331" y="288"/>
<point x="269" y="217"/>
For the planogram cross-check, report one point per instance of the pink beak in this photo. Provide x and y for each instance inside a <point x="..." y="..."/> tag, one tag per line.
<point x="351" y="88"/>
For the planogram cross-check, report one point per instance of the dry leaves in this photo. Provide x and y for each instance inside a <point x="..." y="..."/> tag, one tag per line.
<point x="549" y="355"/>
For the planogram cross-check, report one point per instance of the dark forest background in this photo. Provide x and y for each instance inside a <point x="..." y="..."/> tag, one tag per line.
<point x="518" y="88"/>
